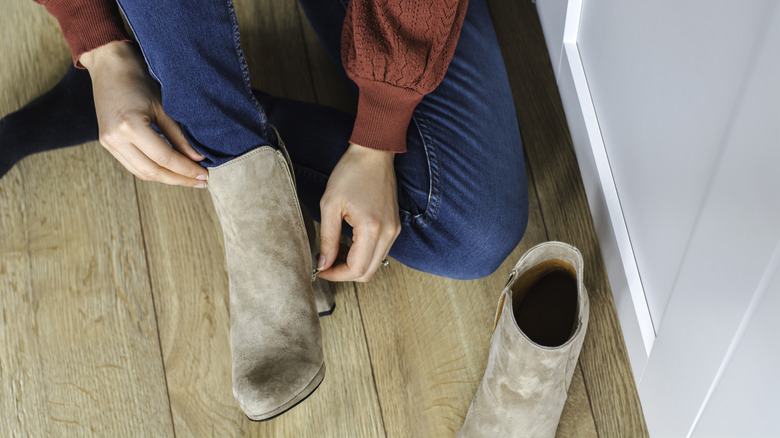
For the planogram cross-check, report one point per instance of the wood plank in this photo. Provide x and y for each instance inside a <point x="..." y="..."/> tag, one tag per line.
<point x="604" y="360"/>
<point x="429" y="339"/>
<point x="577" y="420"/>
<point x="577" y="416"/>
<point x="80" y="350"/>
<point x="23" y="385"/>
<point x="189" y="278"/>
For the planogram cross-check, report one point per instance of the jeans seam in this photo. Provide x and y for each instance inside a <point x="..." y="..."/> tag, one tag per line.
<point x="434" y="176"/>
<point x="245" y="71"/>
<point x="239" y="55"/>
<point x="143" y="53"/>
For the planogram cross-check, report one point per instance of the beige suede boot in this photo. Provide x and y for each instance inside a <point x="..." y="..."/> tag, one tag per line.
<point x="540" y="324"/>
<point x="323" y="289"/>
<point x="275" y="336"/>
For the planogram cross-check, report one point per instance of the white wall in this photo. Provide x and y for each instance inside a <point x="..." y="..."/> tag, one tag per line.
<point x="665" y="77"/>
<point x="674" y="111"/>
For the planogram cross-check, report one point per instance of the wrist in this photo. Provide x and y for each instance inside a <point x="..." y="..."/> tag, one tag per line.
<point x="109" y="54"/>
<point x="371" y="156"/>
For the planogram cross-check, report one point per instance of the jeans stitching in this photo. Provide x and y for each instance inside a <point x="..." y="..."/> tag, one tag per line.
<point x="434" y="177"/>
<point x="245" y="70"/>
<point x="143" y="53"/>
<point x="434" y="173"/>
<point x="239" y="54"/>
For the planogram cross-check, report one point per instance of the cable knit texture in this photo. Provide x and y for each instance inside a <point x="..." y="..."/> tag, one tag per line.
<point x="87" y="24"/>
<point x="396" y="51"/>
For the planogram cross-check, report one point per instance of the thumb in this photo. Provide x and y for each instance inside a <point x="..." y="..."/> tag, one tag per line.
<point x="172" y="131"/>
<point x="330" y="233"/>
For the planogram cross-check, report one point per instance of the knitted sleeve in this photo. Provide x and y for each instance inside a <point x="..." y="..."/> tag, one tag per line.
<point x="87" y="24"/>
<point x="396" y="51"/>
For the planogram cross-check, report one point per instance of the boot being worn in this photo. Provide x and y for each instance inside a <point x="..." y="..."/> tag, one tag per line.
<point x="323" y="289"/>
<point x="540" y="324"/>
<point x="275" y="336"/>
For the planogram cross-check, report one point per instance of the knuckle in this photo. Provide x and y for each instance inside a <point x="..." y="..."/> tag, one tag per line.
<point x="390" y="232"/>
<point x="373" y="226"/>
<point x="108" y="138"/>
<point x="150" y="175"/>
<point x="325" y="202"/>
<point x="164" y="160"/>
<point x="125" y="125"/>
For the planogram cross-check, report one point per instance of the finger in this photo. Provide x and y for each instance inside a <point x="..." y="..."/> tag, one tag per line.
<point x="380" y="254"/>
<point x="157" y="150"/>
<point x="358" y="260"/>
<point x="172" y="131"/>
<point x="330" y="233"/>
<point x="148" y="170"/>
<point x="124" y="162"/>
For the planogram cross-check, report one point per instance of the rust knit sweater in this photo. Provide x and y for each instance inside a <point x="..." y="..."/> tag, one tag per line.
<point x="396" y="51"/>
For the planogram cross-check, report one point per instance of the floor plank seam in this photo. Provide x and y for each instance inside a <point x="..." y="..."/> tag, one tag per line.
<point x="154" y="303"/>
<point x="370" y="360"/>
<point x="530" y="176"/>
<point x="590" y="402"/>
<point x="33" y="298"/>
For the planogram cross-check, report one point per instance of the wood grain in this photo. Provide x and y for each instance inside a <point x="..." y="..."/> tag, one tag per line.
<point x="429" y="339"/>
<point x="563" y="204"/>
<point x="107" y="293"/>
<point x="80" y="351"/>
<point x="189" y="277"/>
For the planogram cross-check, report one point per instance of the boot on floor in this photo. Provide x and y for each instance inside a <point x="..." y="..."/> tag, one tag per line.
<point x="275" y="335"/>
<point x="540" y="324"/>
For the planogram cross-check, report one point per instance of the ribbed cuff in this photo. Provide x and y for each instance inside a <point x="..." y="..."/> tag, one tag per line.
<point x="383" y="115"/>
<point x="87" y="24"/>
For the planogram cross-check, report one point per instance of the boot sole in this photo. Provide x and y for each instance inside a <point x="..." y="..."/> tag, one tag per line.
<point x="303" y="395"/>
<point x="328" y="312"/>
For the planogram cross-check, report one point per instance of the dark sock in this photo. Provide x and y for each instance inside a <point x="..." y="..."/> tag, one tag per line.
<point x="64" y="116"/>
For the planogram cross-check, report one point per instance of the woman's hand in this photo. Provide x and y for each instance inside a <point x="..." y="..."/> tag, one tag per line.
<point x="127" y="102"/>
<point x="362" y="191"/>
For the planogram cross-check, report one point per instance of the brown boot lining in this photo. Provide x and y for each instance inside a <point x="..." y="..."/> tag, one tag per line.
<point x="544" y="302"/>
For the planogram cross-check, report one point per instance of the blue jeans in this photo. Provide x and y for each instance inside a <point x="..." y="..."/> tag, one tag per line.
<point x="462" y="188"/>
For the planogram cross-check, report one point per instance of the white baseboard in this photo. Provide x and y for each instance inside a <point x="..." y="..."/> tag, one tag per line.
<point x="603" y="199"/>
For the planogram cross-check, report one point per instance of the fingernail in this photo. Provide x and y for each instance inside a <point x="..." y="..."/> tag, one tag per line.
<point x="321" y="263"/>
<point x="202" y="177"/>
<point x="200" y="186"/>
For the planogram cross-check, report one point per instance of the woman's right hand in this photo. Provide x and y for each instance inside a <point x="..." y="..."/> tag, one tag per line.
<point x="127" y="103"/>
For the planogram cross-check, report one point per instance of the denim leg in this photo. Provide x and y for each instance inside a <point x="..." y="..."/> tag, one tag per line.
<point x="192" y="49"/>
<point x="462" y="185"/>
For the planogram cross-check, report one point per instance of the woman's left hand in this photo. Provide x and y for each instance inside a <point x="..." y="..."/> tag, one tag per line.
<point x="362" y="191"/>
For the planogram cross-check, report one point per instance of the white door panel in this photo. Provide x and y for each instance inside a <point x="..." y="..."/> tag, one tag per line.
<point x="664" y="78"/>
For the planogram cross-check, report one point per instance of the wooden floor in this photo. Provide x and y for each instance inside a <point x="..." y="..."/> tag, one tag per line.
<point x="114" y="291"/>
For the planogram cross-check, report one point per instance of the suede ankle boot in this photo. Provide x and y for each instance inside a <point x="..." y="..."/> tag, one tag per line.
<point x="323" y="289"/>
<point x="275" y="336"/>
<point x="540" y="324"/>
